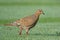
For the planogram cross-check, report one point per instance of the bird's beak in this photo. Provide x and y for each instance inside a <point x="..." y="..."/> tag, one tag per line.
<point x="43" y="13"/>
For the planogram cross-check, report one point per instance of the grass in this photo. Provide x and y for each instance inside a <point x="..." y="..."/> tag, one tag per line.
<point x="47" y="28"/>
<point x="42" y="31"/>
<point x="41" y="20"/>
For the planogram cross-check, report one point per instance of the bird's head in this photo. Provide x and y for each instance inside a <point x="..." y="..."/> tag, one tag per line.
<point x="39" y="11"/>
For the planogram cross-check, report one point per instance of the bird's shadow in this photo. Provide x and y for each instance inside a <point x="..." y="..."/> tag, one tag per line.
<point x="37" y="34"/>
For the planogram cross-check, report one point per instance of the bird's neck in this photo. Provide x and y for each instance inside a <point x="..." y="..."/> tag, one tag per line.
<point x="37" y="14"/>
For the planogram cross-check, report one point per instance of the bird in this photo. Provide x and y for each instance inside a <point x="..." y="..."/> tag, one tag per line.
<point x="27" y="22"/>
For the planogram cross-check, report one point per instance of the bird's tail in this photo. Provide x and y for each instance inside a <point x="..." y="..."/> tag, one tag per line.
<point x="8" y="24"/>
<point x="11" y="24"/>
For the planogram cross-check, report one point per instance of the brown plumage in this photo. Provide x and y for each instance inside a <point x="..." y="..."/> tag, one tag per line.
<point x="27" y="22"/>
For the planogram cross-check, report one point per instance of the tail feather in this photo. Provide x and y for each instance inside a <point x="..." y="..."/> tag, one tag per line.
<point x="11" y="24"/>
<point x="8" y="25"/>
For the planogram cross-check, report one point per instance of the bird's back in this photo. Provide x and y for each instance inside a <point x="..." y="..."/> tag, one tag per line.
<point x="29" y="20"/>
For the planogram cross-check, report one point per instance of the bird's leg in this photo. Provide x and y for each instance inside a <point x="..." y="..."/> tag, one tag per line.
<point x="20" y="30"/>
<point x="27" y="29"/>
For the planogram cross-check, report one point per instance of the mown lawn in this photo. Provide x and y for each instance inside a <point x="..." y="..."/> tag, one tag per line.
<point x="42" y="31"/>
<point x="47" y="28"/>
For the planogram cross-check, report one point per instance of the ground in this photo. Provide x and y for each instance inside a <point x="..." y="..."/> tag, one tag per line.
<point x="47" y="28"/>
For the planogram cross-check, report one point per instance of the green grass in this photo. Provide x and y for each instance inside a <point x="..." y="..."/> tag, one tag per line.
<point x="41" y="20"/>
<point x="42" y="31"/>
<point x="47" y="28"/>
